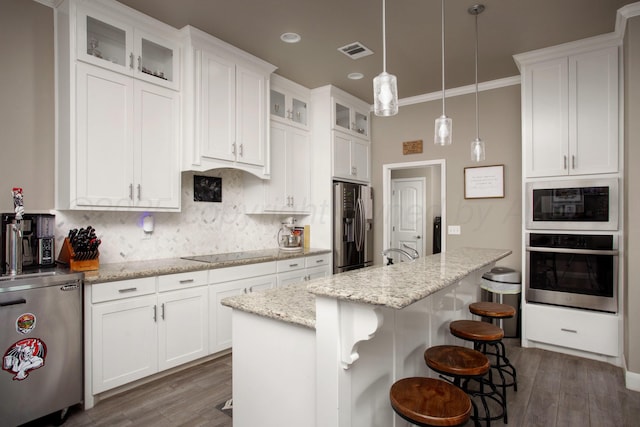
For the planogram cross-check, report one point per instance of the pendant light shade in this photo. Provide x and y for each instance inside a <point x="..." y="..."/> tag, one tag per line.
<point x="385" y="85"/>
<point x="477" y="145"/>
<point x="444" y="126"/>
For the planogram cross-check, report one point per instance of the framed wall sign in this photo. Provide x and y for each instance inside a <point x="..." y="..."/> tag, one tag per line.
<point x="484" y="182"/>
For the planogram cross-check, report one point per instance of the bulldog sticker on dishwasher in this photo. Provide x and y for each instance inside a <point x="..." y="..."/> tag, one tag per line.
<point x="26" y="323"/>
<point x="24" y="356"/>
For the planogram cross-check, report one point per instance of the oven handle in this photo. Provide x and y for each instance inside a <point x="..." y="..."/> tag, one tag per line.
<point x="573" y="251"/>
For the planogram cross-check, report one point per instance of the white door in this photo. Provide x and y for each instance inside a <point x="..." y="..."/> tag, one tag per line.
<point x="251" y="106"/>
<point x="407" y="215"/>
<point x="156" y="141"/>
<point x="182" y="326"/>
<point x="217" y="105"/>
<point x="104" y="157"/>
<point x="124" y="342"/>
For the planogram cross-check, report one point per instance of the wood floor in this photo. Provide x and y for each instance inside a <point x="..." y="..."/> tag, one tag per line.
<point x="553" y="390"/>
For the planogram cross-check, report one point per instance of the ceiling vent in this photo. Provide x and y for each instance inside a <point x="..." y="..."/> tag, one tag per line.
<point x="355" y="50"/>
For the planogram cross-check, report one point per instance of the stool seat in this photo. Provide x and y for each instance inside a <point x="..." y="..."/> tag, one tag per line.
<point x="475" y="330"/>
<point x="430" y="402"/>
<point x="492" y="309"/>
<point x="457" y="361"/>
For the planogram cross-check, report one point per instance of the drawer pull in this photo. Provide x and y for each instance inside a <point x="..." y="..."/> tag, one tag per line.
<point x="182" y="282"/>
<point x="293" y="265"/>
<point x="573" y="331"/>
<point x="318" y="261"/>
<point x="124" y="291"/>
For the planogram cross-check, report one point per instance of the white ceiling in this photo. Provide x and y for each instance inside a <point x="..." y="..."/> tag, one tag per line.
<point x="506" y="27"/>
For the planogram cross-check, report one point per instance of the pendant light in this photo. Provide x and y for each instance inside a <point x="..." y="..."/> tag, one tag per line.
<point x="385" y="86"/>
<point x="477" y="145"/>
<point x="444" y="126"/>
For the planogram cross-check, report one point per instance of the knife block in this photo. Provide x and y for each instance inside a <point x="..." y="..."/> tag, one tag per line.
<point x="67" y="256"/>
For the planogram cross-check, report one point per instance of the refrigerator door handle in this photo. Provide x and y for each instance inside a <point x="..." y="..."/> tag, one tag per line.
<point x="359" y="225"/>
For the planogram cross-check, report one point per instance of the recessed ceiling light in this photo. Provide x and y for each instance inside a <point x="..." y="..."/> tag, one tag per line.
<point x="355" y="76"/>
<point x="290" y="37"/>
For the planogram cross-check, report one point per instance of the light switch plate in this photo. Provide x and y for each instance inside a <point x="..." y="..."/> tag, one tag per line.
<point x="454" y="229"/>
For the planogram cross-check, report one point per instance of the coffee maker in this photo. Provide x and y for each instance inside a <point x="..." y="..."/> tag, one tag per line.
<point x="37" y="241"/>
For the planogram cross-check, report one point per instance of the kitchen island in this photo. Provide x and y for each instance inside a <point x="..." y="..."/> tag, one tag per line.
<point x="326" y="353"/>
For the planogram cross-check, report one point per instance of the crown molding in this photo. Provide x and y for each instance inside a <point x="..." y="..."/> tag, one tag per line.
<point x="624" y="14"/>
<point x="51" y="3"/>
<point x="462" y="90"/>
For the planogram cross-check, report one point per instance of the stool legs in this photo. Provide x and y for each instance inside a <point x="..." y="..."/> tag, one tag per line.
<point x="502" y="365"/>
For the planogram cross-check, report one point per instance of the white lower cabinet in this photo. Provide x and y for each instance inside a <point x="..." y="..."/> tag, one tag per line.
<point x="575" y="329"/>
<point x="137" y="331"/>
<point x="139" y="327"/>
<point x="227" y="282"/>
<point x="298" y="270"/>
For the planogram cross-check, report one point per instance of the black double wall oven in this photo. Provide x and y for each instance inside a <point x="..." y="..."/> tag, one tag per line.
<point x="572" y="245"/>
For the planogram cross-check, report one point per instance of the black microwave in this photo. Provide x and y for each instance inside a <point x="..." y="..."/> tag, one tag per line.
<point x="579" y="204"/>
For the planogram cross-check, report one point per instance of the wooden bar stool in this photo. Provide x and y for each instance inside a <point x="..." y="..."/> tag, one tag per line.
<point x="464" y="365"/>
<point x="430" y="402"/>
<point x="487" y="338"/>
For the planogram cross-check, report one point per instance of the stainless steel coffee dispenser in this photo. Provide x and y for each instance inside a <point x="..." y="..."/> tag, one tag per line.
<point x="14" y="248"/>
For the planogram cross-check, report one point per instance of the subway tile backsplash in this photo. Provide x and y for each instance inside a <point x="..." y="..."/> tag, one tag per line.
<point x="201" y="228"/>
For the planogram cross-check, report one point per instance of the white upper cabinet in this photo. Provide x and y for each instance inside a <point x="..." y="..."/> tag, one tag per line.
<point x="114" y="42"/>
<point x="118" y="134"/>
<point x="350" y="157"/>
<point x="288" y="189"/>
<point x="570" y="110"/>
<point x="226" y="94"/>
<point x="289" y="102"/>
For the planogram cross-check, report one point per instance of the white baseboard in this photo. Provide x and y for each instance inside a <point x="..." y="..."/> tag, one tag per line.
<point x="632" y="380"/>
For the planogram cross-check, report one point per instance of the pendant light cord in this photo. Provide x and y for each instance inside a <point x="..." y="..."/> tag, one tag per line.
<point x="443" y="96"/>
<point x="384" y="36"/>
<point x="477" y="121"/>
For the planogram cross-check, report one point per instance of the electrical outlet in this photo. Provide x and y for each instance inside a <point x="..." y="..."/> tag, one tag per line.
<point x="454" y="229"/>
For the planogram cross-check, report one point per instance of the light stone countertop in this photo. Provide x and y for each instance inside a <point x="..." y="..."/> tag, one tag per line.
<point x="137" y="269"/>
<point x="395" y="286"/>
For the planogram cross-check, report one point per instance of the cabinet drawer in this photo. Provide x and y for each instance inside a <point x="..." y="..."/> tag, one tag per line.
<point x="172" y="282"/>
<point x="317" y="260"/>
<point x="220" y="275"/>
<point x="576" y="329"/>
<point x="122" y="289"/>
<point x="290" y="264"/>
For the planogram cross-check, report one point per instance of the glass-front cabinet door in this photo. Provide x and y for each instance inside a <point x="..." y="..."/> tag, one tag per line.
<point x="156" y="60"/>
<point x="347" y="117"/>
<point x="105" y="42"/>
<point x="118" y="46"/>
<point x="288" y="107"/>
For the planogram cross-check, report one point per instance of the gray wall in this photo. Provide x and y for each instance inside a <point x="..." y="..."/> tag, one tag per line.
<point x="26" y="104"/>
<point x="632" y="201"/>
<point x="484" y="222"/>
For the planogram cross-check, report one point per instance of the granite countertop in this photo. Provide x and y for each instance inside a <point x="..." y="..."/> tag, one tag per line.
<point x="137" y="269"/>
<point x="395" y="286"/>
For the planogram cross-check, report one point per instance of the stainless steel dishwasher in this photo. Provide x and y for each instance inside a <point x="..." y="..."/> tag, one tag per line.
<point x="41" y="345"/>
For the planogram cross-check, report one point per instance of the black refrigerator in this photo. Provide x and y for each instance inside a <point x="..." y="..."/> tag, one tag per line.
<point x="352" y="226"/>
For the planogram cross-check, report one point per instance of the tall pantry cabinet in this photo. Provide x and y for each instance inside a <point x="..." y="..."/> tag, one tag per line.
<point x="118" y="109"/>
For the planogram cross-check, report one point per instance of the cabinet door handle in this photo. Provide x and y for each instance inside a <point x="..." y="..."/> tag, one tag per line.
<point x="573" y="331"/>
<point x="131" y="191"/>
<point x="564" y="164"/>
<point x="241" y="150"/>
<point x="573" y="161"/>
<point x="124" y="291"/>
<point x="276" y="107"/>
<point x="139" y="63"/>
<point x="139" y="191"/>
<point x="234" y="149"/>
<point x="131" y="60"/>
<point x="155" y="313"/>
<point x="162" y="311"/>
